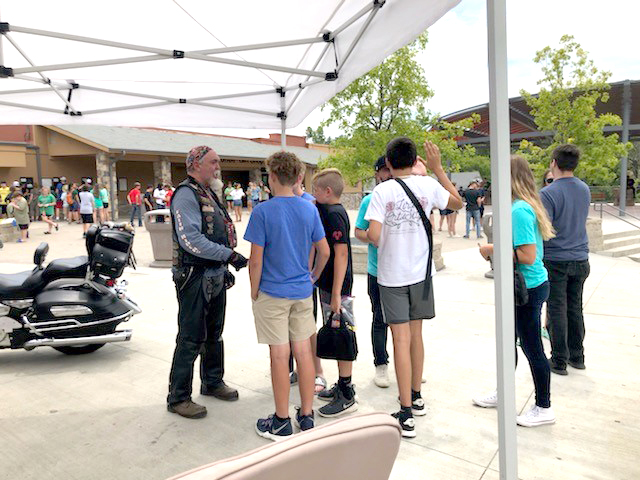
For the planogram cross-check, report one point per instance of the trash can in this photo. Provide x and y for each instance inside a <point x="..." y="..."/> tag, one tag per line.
<point x="158" y="224"/>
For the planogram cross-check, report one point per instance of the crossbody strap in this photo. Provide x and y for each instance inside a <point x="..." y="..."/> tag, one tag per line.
<point x="427" y="227"/>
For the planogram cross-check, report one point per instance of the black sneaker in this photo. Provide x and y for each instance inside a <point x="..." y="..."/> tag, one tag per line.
<point x="418" y="407"/>
<point x="328" y="393"/>
<point x="273" y="429"/>
<point x="340" y="404"/>
<point x="407" y="423"/>
<point x="304" y="422"/>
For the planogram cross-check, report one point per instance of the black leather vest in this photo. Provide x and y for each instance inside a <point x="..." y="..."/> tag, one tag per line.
<point x="213" y="225"/>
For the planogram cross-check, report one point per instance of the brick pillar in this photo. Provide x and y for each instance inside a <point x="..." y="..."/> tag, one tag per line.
<point x="162" y="171"/>
<point x="107" y="177"/>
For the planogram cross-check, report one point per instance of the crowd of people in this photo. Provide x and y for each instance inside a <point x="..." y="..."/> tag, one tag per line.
<point x="300" y="264"/>
<point x="84" y="202"/>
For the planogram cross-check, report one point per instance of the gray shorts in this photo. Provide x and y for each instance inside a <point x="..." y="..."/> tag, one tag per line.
<point x="401" y="304"/>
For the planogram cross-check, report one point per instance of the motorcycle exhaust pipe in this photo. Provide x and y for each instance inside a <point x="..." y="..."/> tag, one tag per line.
<point x="121" y="336"/>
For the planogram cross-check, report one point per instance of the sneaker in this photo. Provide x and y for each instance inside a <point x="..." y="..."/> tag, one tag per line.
<point x="273" y="429"/>
<point x="536" y="416"/>
<point x="293" y="378"/>
<point x="188" y="409"/>
<point x="577" y="364"/>
<point x="407" y="423"/>
<point x="304" y="422"/>
<point x="487" y="401"/>
<point x="418" y="407"/>
<point x="328" y="393"/>
<point x="382" y="376"/>
<point x="557" y="368"/>
<point x="340" y="405"/>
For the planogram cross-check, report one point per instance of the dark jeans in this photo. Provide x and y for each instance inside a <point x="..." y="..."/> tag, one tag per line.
<point x="566" y="323"/>
<point x="528" y="330"/>
<point x="201" y="309"/>
<point x="378" y="327"/>
<point x="136" y="209"/>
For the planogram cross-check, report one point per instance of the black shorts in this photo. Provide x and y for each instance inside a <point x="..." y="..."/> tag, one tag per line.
<point x="24" y="227"/>
<point x="105" y="204"/>
<point x="3" y="209"/>
<point x="87" y="217"/>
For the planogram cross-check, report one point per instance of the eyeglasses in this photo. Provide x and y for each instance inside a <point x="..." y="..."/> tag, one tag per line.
<point x="548" y="180"/>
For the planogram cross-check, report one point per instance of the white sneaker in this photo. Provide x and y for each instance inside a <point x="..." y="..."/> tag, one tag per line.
<point x="487" y="401"/>
<point x="536" y="416"/>
<point x="382" y="376"/>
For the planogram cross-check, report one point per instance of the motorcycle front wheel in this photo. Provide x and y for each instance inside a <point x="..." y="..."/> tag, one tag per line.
<point x="79" y="349"/>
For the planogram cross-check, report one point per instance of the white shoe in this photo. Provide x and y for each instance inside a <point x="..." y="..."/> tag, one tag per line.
<point x="536" y="416"/>
<point x="424" y="380"/>
<point x="487" y="401"/>
<point x="382" y="376"/>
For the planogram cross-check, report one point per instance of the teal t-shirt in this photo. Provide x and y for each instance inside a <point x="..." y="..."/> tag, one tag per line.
<point x="362" y="224"/>
<point x="525" y="232"/>
<point x="44" y="200"/>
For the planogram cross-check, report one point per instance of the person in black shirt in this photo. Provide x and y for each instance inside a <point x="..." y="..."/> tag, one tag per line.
<point x="336" y="280"/>
<point x="148" y="198"/>
<point x="474" y="197"/>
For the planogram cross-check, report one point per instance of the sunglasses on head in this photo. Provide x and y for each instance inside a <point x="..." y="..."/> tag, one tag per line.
<point x="549" y="180"/>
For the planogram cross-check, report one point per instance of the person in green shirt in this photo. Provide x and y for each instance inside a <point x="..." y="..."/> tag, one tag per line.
<point x="4" y="191"/>
<point x="104" y="195"/>
<point x="46" y="202"/>
<point x="228" y="197"/>
<point x="18" y="208"/>
<point x="98" y="211"/>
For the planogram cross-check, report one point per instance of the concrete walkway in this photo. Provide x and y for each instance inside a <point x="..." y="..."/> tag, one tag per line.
<point x="103" y="415"/>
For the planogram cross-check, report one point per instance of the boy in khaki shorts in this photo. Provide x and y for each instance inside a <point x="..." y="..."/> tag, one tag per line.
<point x="282" y="232"/>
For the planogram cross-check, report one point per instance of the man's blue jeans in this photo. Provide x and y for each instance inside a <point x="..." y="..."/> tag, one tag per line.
<point x="136" y="209"/>
<point x="476" y="215"/>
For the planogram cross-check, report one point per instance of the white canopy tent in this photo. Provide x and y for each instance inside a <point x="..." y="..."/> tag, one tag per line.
<point x="242" y="64"/>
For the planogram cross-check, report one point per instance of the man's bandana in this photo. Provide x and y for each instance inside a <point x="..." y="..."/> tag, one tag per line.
<point x="196" y="154"/>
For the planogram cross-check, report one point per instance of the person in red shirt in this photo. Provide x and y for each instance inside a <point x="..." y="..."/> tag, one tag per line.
<point x="135" y="200"/>
<point x="168" y="195"/>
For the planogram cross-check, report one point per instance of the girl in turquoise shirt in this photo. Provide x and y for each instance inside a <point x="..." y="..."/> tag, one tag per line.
<point x="530" y="226"/>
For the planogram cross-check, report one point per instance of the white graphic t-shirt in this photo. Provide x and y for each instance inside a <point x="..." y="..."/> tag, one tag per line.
<point x="403" y="248"/>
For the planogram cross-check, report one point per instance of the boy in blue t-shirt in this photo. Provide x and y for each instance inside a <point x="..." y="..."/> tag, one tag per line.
<point x="282" y="233"/>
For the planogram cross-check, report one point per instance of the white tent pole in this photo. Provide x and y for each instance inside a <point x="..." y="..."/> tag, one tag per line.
<point x="353" y="19"/>
<point x="503" y="254"/>
<point x="358" y="37"/>
<point x="161" y="104"/>
<point x="283" y="119"/>
<point x="46" y="80"/>
<point x="30" y="90"/>
<point x="30" y="107"/>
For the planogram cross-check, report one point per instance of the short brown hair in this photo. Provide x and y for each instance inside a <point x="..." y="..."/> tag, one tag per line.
<point x="286" y="166"/>
<point x="330" y="177"/>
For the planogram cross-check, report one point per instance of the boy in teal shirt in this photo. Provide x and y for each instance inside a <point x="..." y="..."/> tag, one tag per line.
<point x="46" y="202"/>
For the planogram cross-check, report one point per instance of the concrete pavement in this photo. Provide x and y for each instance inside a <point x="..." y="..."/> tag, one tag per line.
<point x="103" y="415"/>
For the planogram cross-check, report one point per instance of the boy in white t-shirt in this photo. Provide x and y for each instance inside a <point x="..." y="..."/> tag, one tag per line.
<point x="396" y="228"/>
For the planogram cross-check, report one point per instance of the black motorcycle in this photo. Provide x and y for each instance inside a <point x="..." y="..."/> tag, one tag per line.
<point x="73" y="304"/>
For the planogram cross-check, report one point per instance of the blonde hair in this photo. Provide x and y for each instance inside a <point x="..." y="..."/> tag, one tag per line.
<point x="330" y="177"/>
<point x="286" y="166"/>
<point x="523" y="187"/>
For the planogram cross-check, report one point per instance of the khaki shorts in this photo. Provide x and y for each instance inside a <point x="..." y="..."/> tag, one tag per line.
<point x="280" y="320"/>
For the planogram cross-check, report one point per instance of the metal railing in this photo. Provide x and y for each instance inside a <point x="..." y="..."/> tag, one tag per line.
<point x="602" y="210"/>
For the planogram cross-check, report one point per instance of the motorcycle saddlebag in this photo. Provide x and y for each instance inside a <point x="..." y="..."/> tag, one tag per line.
<point x="111" y="252"/>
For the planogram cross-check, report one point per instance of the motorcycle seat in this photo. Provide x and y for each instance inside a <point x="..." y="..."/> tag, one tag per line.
<point x="75" y="267"/>
<point x="20" y="285"/>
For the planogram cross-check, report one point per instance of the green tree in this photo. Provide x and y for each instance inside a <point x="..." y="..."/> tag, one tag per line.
<point x="317" y="135"/>
<point x="570" y="89"/>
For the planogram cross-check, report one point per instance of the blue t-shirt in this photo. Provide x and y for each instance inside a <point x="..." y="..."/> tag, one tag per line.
<point x="286" y="227"/>
<point x="525" y="231"/>
<point x="308" y="197"/>
<point x="567" y="202"/>
<point x="362" y="224"/>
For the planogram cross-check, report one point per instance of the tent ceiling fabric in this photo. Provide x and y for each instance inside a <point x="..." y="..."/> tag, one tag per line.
<point x="212" y="85"/>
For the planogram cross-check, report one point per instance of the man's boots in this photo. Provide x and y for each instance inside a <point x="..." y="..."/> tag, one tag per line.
<point x="188" y="409"/>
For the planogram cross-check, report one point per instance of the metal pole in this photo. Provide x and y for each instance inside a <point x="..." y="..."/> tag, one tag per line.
<point x="503" y="263"/>
<point x="1" y="53"/>
<point x="283" y="120"/>
<point x="626" y="112"/>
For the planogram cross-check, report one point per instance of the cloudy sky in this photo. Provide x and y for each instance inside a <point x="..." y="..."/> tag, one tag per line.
<point x="455" y="60"/>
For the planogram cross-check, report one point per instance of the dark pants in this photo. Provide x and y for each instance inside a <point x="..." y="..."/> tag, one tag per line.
<point x="378" y="327"/>
<point x="201" y="309"/>
<point x="528" y="330"/>
<point x="566" y="323"/>
<point x="160" y="218"/>
<point x="136" y="210"/>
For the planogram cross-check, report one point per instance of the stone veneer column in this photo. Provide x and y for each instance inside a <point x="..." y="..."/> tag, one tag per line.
<point x="107" y="177"/>
<point x="162" y="171"/>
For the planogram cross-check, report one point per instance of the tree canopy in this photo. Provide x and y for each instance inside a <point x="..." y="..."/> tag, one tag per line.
<point x="570" y="89"/>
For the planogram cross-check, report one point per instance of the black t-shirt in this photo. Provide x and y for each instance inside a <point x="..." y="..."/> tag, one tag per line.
<point x="336" y="227"/>
<point x="149" y="198"/>
<point x="471" y="196"/>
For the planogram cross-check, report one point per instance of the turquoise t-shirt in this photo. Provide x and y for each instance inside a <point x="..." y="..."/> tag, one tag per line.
<point x="362" y="224"/>
<point x="525" y="232"/>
